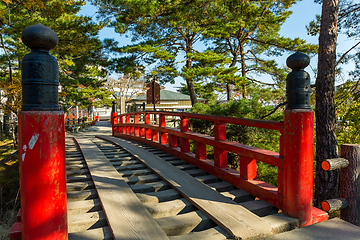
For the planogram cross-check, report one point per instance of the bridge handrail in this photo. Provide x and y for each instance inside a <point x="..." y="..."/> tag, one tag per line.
<point x="166" y="139"/>
<point x="274" y="125"/>
<point x="266" y="156"/>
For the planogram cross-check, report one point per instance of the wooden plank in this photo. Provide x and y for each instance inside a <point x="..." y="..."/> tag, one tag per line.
<point x="235" y="219"/>
<point x="126" y="216"/>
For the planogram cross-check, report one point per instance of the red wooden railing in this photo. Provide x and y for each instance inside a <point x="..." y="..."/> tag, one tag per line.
<point x="294" y="161"/>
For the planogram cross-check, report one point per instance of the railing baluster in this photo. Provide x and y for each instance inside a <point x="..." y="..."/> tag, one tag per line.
<point x="247" y="168"/>
<point x="220" y="155"/>
<point x="200" y="151"/>
<point x="162" y="124"/>
<point x="132" y="128"/>
<point x="127" y="119"/>
<point x="147" y="130"/>
<point x="121" y="129"/>
<point x="136" y="130"/>
<point x="184" y="143"/>
<point x="142" y="129"/>
<point x="154" y="133"/>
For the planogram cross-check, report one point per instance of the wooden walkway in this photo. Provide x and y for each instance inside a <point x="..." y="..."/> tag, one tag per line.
<point x="119" y="189"/>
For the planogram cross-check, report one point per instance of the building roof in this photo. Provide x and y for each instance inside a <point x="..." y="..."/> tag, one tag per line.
<point x="165" y="95"/>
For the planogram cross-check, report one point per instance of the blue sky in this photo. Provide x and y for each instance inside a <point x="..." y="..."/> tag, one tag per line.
<point x="295" y="26"/>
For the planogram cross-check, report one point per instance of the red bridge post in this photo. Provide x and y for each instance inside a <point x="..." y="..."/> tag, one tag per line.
<point x="114" y="120"/>
<point x="298" y="142"/>
<point x="41" y="141"/>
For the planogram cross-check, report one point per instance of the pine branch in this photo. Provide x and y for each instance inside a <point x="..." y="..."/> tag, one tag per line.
<point x="344" y="55"/>
<point x="257" y="81"/>
<point x="274" y="110"/>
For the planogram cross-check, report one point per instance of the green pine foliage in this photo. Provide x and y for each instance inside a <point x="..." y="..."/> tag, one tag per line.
<point x="168" y="37"/>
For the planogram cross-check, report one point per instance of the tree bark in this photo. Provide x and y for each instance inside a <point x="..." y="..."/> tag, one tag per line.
<point x="6" y="121"/>
<point x="189" y="81"/>
<point x="229" y="90"/>
<point x="229" y="87"/>
<point x="326" y="183"/>
<point x="350" y="183"/>
<point x="243" y="65"/>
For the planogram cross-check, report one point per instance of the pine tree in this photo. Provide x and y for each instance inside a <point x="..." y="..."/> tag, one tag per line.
<point x="326" y="183"/>
<point x="248" y="32"/>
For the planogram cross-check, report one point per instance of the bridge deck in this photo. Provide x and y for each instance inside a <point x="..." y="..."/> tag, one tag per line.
<point x="127" y="190"/>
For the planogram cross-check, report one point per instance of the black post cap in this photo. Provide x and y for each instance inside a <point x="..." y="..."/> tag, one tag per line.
<point x="298" y="82"/>
<point x="114" y="107"/>
<point x="40" y="70"/>
<point x="298" y="60"/>
<point x="40" y="37"/>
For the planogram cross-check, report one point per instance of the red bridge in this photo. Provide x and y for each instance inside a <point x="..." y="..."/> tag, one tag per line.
<point x="144" y="182"/>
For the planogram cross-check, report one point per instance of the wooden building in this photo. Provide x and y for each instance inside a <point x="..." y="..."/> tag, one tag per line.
<point x="169" y="101"/>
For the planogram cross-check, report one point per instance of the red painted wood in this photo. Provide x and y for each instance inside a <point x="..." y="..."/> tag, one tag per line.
<point x="18" y="216"/>
<point x="120" y="126"/>
<point x="147" y="130"/>
<point x="114" y="120"/>
<point x="280" y="181"/>
<point x="220" y="155"/>
<point x="298" y="164"/>
<point x="248" y="168"/>
<point x="162" y="124"/>
<point x="15" y="233"/>
<point x="136" y="129"/>
<point x="42" y="175"/>
<point x="173" y="143"/>
<point x="184" y="141"/>
<point x="200" y="151"/>
<point x="132" y="131"/>
<point x="239" y="121"/>
<point x="318" y="215"/>
<point x="142" y="132"/>
<point x="127" y="120"/>
<point x="280" y="170"/>
<point x="184" y="125"/>
<point x="259" y="154"/>
<point x="154" y="135"/>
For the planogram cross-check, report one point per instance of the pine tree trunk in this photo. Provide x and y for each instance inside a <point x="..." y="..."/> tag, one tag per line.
<point x="326" y="183"/>
<point x="243" y="72"/>
<point x="6" y="126"/>
<point x="229" y="90"/>
<point x="189" y="81"/>
<point x="229" y="87"/>
<point x="192" y="92"/>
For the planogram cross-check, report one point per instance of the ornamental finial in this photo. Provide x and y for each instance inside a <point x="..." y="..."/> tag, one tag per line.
<point x="298" y="60"/>
<point x="39" y="37"/>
